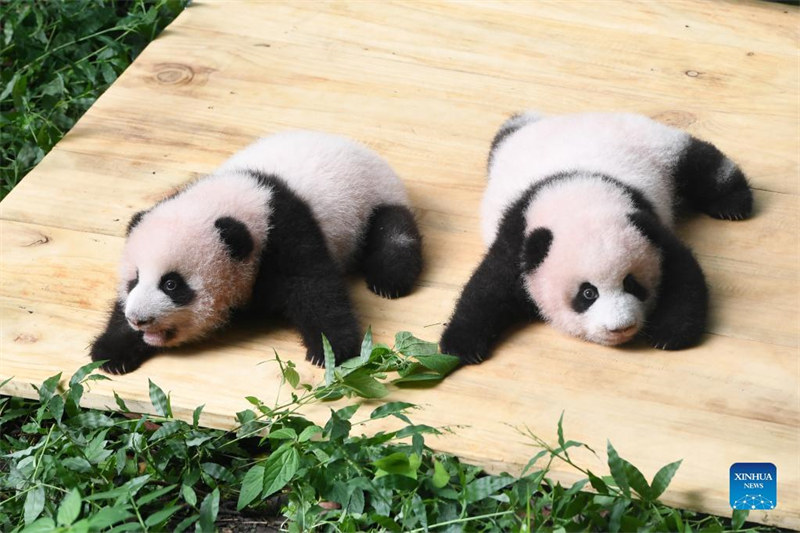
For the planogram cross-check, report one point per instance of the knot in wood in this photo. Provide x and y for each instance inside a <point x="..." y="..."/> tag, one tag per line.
<point x="174" y="74"/>
<point x="676" y="118"/>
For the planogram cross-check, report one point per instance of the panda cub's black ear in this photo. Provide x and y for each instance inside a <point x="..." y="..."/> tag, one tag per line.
<point x="135" y="219"/>
<point x="235" y="236"/>
<point x="535" y="248"/>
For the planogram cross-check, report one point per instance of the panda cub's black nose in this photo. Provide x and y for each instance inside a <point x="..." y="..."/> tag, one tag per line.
<point x="139" y="322"/>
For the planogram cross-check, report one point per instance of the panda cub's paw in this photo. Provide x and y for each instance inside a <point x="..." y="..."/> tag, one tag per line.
<point x="470" y="350"/>
<point x="344" y="347"/>
<point x="674" y="335"/>
<point x="121" y="358"/>
<point x="735" y="205"/>
<point x="123" y="348"/>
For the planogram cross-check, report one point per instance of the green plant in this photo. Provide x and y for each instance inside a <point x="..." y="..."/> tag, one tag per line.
<point x="57" y="57"/>
<point x="70" y="469"/>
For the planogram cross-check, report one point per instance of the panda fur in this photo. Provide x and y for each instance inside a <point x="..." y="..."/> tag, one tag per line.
<point x="272" y="231"/>
<point x="578" y="218"/>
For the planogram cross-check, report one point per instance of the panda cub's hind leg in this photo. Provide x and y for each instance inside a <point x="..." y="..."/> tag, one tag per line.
<point x="392" y="253"/>
<point x="712" y="183"/>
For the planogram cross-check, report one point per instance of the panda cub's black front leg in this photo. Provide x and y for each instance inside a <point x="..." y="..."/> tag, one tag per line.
<point x="679" y="318"/>
<point x="319" y="305"/>
<point x="491" y="302"/>
<point x="122" y="346"/>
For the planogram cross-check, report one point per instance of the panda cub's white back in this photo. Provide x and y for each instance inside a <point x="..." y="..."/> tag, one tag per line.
<point x="341" y="181"/>
<point x="634" y="149"/>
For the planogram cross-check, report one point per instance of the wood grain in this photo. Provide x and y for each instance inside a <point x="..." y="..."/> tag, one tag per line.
<point x="426" y="84"/>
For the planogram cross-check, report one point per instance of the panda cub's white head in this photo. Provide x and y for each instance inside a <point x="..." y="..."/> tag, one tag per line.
<point x="589" y="270"/>
<point x="193" y="258"/>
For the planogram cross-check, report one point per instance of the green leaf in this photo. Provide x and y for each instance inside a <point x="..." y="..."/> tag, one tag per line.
<point x="532" y="462"/>
<point x="663" y="478"/>
<point x="421" y="378"/>
<point x="561" y="434"/>
<point x="283" y="434"/>
<point x="291" y="375"/>
<point x="120" y="402"/>
<point x="107" y="517"/>
<point x="279" y="469"/>
<point x="11" y="83"/>
<point x="43" y="525"/>
<point x="366" y="346"/>
<point x="443" y="364"/>
<point x="196" y="415"/>
<point x="167" y="429"/>
<point x="252" y="485"/>
<point x="398" y="463"/>
<point x="217" y="471"/>
<point x="189" y="495"/>
<point x="330" y="360"/>
<point x="363" y="384"/>
<point x="48" y="388"/>
<point x="76" y="464"/>
<point x="34" y="504"/>
<point x="484" y="487"/>
<point x="159" y="400"/>
<point x="598" y="484"/>
<point x="396" y="409"/>
<point x="92" y="420"/>
<point x="636" y="480"/>
<point x="84" y="371"/>
<point x="208" y="511"/>
<point x="309" y="432"/>
<point x="56" y="407"/>
<point x="617" y="511"/>
<point x="154" y="495"/>
<point x="161" y="516"/>
<point x="411" y="346"/>
<point x="338" y="427"/>
<point x="617" y="469"/>
<point x="440" y="475"/>
<point x="738" y="518"/>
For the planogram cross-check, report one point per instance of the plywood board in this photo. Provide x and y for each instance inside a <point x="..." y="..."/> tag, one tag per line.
<point x="426" y="84"/>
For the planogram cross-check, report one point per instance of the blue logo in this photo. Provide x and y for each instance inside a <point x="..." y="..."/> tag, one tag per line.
<point x="753" y="486"/>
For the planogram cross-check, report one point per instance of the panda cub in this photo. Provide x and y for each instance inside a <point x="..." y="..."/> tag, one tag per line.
<point x="578" y="219"/>
<point x="272" y="231"/>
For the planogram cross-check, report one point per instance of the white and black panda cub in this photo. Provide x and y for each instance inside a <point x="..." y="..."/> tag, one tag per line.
<point x="272" y="231"/>
<point x="578" y="216"/>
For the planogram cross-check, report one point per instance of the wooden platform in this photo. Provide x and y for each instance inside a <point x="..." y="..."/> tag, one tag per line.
<point x="426" y="85"/>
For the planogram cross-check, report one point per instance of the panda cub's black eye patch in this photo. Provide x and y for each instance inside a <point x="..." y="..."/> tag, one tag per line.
<point x="631" y="286"/>
<point x="173" y="285"/>
<point x="585" y="297"/>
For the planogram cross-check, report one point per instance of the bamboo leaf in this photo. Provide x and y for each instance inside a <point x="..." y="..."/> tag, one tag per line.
<point x="208" y="511"/>
<point x="617" y="469"/>
<point x="330" y="360"/>
<point x="663" y="478"/>
<point x="366" y="345"/>
<point x="159" y="400"/>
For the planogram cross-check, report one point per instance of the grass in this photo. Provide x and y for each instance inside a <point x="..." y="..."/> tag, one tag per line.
<point x="65" y="468"/>
<point x="56" y="58"/>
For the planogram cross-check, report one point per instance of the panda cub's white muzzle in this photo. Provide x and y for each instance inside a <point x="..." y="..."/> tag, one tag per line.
<point x="614" y="318"/>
